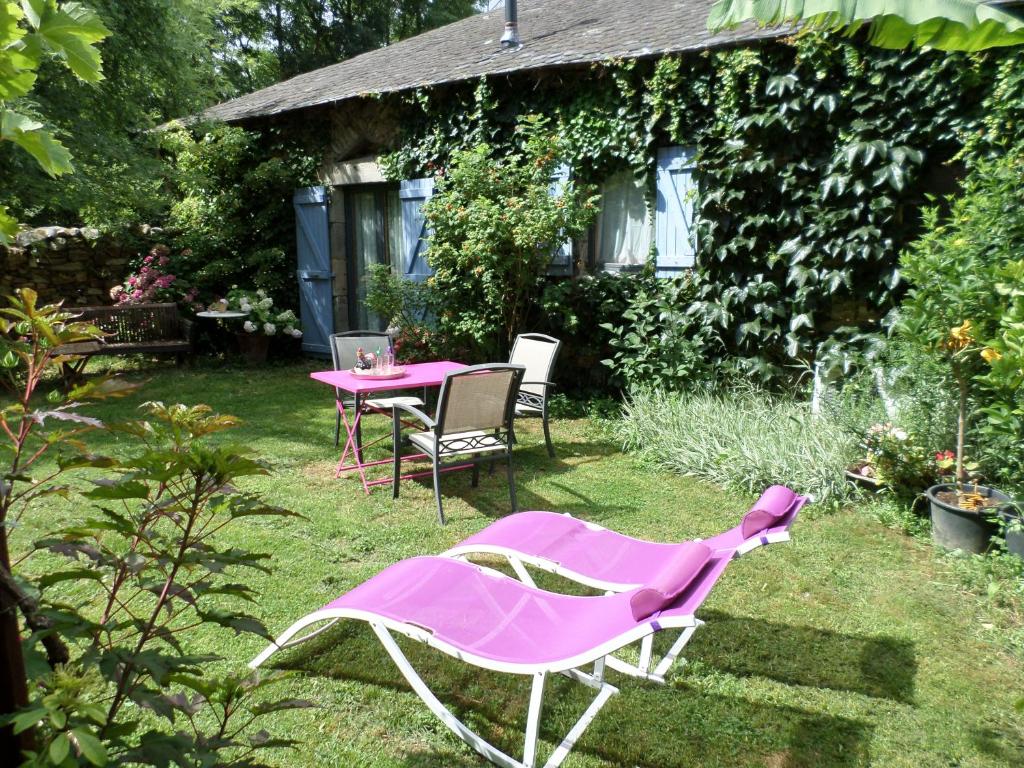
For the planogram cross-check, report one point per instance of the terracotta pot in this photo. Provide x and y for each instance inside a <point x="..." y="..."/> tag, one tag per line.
<point x="253" y="346"/>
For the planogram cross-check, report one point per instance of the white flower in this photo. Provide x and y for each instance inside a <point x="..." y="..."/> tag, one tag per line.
<point x="289" y="331"/>
<point x="249" y="326"/>
<point x="900" y="434"/>
<point x="246" y="306"/>
<point x="296" y="333"/>
<point x="266" y="303"/>
<point x="269" y="328"/>
<point x="261" y="293"/>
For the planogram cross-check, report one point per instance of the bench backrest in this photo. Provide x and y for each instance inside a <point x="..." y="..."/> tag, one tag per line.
<point x="134" y="323"/>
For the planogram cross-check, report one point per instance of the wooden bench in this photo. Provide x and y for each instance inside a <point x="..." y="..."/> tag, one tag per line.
<point x="156" y="329"/>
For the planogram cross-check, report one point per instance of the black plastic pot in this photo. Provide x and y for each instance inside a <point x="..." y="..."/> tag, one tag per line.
<point x="963" y="529"/>
<point x="1014" y="520"/>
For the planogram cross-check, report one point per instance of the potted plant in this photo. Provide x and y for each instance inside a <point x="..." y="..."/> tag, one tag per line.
<point x="262" y="323"/>
<point x="952" y="306"/>
<point x="1003" y="386"/>
<point x="893" y="460"/>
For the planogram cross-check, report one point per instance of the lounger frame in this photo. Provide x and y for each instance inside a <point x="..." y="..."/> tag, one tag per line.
<point x="518" y="561"/>
<point x="599" y="657"/>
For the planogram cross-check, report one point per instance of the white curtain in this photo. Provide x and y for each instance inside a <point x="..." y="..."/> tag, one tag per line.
<point x="624" y="227"/>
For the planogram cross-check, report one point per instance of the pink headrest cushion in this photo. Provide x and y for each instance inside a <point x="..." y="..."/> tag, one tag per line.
<point x="671" y="580"/>
<point x="774" y="504"/>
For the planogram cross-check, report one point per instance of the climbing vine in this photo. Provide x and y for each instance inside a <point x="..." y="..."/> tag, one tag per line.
<point x="814" y="157"/>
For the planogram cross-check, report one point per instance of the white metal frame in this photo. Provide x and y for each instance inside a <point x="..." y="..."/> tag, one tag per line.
<point x="519" y="560"/>
<point x="571" y="667"/>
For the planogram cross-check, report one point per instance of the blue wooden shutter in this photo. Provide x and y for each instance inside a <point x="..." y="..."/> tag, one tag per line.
<point x="313" y="250"/>
<point x="674" y="230"/>
<point x="561" y="259"/>
<point x="413" y="194"/>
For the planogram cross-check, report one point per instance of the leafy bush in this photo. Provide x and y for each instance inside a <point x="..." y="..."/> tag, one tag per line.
<point x="1002" y="453"/>
<point x="147" y="570"/>
<point x="578" y="312"/>
<point x="495" y="226"/>
<point x="154" y="281"/>
<point x="396" y="301"/>
<point x="743" y="440"/>
<point x="662" y="344"/>
<point x="952" y="306"/>
<point x="233" y="214"/>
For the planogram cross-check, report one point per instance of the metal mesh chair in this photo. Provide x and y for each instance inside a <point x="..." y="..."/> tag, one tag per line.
<point x="537" y="353"/>
<point x="343" y="352"/>
<point x="474" y="421"/>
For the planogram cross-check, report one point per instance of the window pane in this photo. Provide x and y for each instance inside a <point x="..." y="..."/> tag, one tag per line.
<point x="624" y="226"/>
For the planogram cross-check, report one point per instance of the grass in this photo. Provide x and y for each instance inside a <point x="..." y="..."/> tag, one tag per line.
<point x="744" y="440"/>
<point x="852" y="646"/>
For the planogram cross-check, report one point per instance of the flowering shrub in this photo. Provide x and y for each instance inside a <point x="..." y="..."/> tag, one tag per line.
<point x="262" y="316"/>
<point x="155" y="282"/>
<point x="897" y="461"/>
<point x="419" y="344"/>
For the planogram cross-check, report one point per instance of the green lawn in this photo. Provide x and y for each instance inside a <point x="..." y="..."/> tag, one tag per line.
<point x="853" y="645"/>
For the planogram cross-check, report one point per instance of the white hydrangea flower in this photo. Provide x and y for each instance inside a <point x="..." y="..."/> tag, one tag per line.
<point x="261" y="293"/>
<point x="289" y="331"/>
<point x="266" y="303"/>
<point x="269" y="328"/>
<point x="249" y="326"/>
<point x="296" y="333"/>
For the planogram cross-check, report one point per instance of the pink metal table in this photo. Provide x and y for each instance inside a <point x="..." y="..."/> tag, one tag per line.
<point x="417" y="376"/>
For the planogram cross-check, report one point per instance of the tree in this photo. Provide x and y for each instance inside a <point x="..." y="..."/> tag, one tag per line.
<point x="158" y="65"/>
<point x="947" y="25"/>
<point x="37" y="31"/>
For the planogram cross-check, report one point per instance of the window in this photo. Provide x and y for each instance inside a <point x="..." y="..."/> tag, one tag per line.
<point x="623" y="229"/>
<point x="374" y="237"/>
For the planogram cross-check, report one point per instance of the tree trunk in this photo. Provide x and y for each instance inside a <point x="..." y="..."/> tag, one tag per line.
<point x="13" y="687"/>
<point x="961" y="429"/>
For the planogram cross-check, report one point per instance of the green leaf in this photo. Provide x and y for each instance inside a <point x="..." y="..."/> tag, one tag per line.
<point x="124" y="489"/>
<point x="52" y="156"/>
<point x="70" y="31"/>
<point x="60" y="747"/>
<point x="25" y="720"/>
<point x="90" y="747"/>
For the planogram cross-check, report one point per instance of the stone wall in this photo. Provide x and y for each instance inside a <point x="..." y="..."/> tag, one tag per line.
<point x="79" y="266"/>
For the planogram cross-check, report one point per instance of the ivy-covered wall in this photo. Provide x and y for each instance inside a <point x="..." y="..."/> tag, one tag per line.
<point x="815" y="156"/>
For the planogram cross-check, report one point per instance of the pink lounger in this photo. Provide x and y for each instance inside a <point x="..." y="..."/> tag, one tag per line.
<point x="485" y="618"/>
<point x="597" y="557"/>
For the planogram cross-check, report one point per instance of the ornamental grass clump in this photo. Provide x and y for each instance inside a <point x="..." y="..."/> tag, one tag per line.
<point x="743" y="440"/>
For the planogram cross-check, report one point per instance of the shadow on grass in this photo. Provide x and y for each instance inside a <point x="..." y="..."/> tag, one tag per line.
<point x="1001" y="740"/>
<point x="880" y="666"/>
<point x="645" y="726"/>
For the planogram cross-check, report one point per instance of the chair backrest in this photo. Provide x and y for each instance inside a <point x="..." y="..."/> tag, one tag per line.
<point x="481" y="397"/>
<point x="344" y="346"/>
<point x="138" y="323"/>
<point x="537" y="353"/>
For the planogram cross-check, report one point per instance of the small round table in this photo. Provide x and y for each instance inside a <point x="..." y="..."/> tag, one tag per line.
<point x="227" y="315"/>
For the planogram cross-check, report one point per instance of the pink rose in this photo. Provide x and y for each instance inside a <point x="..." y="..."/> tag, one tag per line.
<point x="148" y="259"/>
<point x="136" y="294"/>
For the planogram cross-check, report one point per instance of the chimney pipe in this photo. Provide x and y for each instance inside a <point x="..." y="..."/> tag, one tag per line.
<point x="511" y="37"/>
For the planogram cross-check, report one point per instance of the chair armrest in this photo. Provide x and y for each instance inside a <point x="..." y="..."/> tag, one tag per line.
<point x="541" y="383"/>
<point x="428" y="422"/>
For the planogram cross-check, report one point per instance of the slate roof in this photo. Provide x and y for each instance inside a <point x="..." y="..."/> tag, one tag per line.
<point x="554" y="33"/>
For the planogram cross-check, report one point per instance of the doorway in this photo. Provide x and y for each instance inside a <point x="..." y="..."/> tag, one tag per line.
<point x="373" y="217"/>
